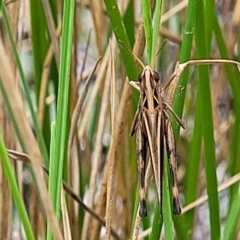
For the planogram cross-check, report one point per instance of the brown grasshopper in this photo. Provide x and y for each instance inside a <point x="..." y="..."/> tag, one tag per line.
<point x="153" y="128"/>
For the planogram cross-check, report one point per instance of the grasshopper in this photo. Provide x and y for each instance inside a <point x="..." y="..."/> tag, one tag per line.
<point x="153" y="130"/>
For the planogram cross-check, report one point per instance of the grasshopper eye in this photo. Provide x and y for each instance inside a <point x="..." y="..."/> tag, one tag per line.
<point x="156" y="76"/>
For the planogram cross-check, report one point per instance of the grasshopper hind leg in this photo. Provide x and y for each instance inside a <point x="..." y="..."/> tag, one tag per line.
<point x="141" y="158"/>
<point x="171" y="152"/>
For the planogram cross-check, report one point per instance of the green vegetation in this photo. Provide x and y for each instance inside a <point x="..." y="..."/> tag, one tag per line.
<point x="65" y="127"/>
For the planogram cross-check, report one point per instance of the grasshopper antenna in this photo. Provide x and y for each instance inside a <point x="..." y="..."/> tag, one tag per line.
<point x="130" y="52"/>
<point x="158" y="52"/>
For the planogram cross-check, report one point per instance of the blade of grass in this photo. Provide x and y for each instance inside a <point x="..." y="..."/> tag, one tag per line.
<point x="232" y="219"/>
<point x="33" y="150"/>
<point x="11" y="114"/>
<point x="9" y="173"/>
<point x="207" y="124"/>
<point x="62" y="104"/>
<point x="185" y="56"/>
<point x="156" y="24"/>
<point x="40" y="37"/>
<point x="53" y="168"/>
<point x="234" y="81"/>
<point x="166" y="208"/>
<point x="193" y="170"/>
<point x="129" y="22"/>
<point x="147" y="19"/>
<point x="156" y="225"/>
<point x="25" y="87"/>
<point x="180" y="92"/>
<point x="121" y="34"/>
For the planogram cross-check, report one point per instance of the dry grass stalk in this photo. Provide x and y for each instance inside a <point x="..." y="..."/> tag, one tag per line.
<point x="30" y="142"/>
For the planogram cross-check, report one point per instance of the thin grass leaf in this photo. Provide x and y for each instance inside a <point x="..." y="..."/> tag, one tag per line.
<point x="180" y="92"/>
<point x="207" y="125"/>
<point x="9" y="173"/>
<point x="166" y="204"/>
<point x="121" y="34"/>
<point x="156" y="24"/>
<point x="157" y="224"/>
<point x="234" y="81"/>
<point x="11" y="115"/>
<point x="53" y="168"/>
<point x="40" y="37"/>
<point x="192" y="174"/>
<point x="62" y="107"/>
<point x="230" y="229"/>
<point x="25" y="87"/>
<point x="129" y="22"/>
<point x="147" y="19"/>
<point x="185" y="56"/>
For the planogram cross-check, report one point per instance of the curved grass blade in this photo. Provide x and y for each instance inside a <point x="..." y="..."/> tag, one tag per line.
<point x="207" y="125"/>
<point x="9" y="173"/>
<point x="25" y="87"/>
<point x="62" y="107"/>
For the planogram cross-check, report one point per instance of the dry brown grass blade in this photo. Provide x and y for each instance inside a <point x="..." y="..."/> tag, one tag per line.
<point x="236" y="14"/>
<point x="122" y="112"/>
<point x="179" y="68"/>
<point x="177" y="8"/>
<point x="44" y="79"/>
<point x="96" y="156"/>
<point x="99" y="21"/>
<point x="170" y="35"/>
<point x="138" y="218"/>
<point x="79" y="79"/>
<point x="78" y="108"/>
<point x="65" y="218"/>
<point x="51" y="29"/>
<point x="16" y="103"/>
<point x="19" y="156"/>
<point x="94" y="92"/>
<point x="6" y="204"/>
<point x="112" y="150"/>
<point x="119" y="123"/>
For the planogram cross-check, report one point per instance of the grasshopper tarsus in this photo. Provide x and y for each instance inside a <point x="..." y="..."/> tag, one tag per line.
<point x="143" y="209"/>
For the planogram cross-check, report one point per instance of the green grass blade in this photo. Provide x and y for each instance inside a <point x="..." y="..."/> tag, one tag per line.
<point x="166" y="204"/>
<point x="157" y="224"/>
<point x="191" y="179"/>
<point x="25" y="87"/>
<point x="185" y="56"/>
<point x="180" y="92"/>
<point x="129" y="22"/>
<point x="232" y="219"/>
<point x="234" y="81"/>
<point x="9" y="173"/>
<point x="147" y="19"/>
<point x="62" y="103"/>
<point x="40" y="37"/>
<point x="121" y="34"/>
<point x="53" y="169"/>
<point x="207" y="125"/>
<point x="156" y="24"/>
